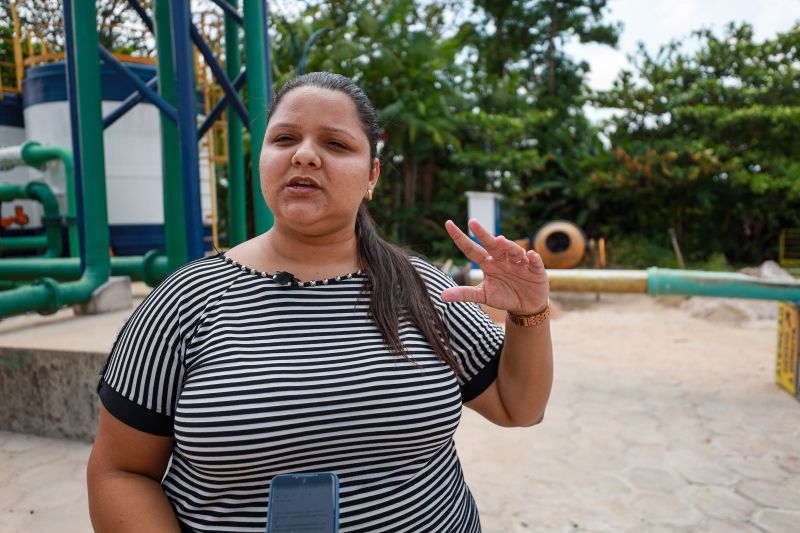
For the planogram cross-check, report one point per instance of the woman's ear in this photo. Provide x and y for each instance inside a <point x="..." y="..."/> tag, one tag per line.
<point x="374" y="173"/>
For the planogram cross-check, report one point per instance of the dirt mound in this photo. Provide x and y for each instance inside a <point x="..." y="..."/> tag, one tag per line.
<point x="738" y="310"/>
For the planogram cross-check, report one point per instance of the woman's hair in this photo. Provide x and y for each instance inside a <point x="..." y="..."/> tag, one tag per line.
<point x="397" y="289"/>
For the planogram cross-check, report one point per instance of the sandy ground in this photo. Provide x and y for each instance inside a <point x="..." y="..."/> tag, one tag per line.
<point x="659" y="421"/>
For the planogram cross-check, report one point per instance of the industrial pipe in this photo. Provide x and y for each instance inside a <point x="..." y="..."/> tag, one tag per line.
<point x="36" y="155"/>
<point x="52" y="238"/>
<point x="151" y="268"/>
<point x="662" y="281"/>
<point x="47" y="295"/>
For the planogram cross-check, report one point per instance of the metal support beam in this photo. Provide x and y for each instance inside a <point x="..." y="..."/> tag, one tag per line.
<point x="237" y="190"/>
<point x="230" y="11"/>
<point x="175" y="236"/>
<point x="301" y="66"/>
<point x="222" y="79"/>
<point x="220" y="106"/>
<point x="129" y="103"/>
<point x="137" y="82"/>
<point x="187" y="126"/>
<point x="259" y="74"/>
<point x="77" y="249"/>
<point x="142" y="14"/>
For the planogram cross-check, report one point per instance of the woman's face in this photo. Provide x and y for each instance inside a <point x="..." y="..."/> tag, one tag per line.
<point x="315" y="163"/>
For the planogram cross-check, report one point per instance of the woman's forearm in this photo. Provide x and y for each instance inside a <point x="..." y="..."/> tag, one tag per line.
<point x="525" y="376"/>
<point x="122" y="502"/>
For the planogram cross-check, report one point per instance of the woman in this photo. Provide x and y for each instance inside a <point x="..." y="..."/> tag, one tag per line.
<point x="316" y="347"/>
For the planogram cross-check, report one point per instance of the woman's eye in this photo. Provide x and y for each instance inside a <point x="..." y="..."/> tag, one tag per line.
<point x="281" y="138"/>
<point x="337" y="144"/>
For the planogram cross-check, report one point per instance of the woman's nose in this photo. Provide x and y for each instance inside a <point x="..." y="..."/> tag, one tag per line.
<point x="306" y="155"/>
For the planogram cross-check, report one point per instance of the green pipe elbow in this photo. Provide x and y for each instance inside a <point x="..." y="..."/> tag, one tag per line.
<point x="36" y="155"/>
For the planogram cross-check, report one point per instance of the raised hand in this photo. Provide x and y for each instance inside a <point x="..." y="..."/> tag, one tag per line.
<point x="513" y="279"/>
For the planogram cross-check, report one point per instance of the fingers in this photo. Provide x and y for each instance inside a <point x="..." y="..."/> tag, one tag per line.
<point x="535" y="263"/>
<point x="467" y="246"/>
<point x="464" y="294"/>
<point x="500" y="248"/>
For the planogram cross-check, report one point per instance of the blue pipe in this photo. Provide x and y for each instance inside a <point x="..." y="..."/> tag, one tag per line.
<point x="143" y="15"/>
<point x="219" y="74"/>
<point x="187" y="126"/>
<point x="72" y="98"/>
<point x="137" y="82"/>
<point x="230" y="11"/>
<point x="221" y="105"/>
<point x="129" y="103"/>
<point x="302" y="64"/>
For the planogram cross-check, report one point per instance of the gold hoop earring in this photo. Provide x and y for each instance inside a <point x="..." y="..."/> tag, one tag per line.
<point x="369" y="195"/>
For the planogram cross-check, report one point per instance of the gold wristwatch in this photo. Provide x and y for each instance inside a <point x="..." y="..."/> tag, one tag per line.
<point x="531" y="320"/>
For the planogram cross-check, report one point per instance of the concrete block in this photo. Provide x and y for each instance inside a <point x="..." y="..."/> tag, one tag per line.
<point x="50" y="392"/>
<point x="113" y="295"/>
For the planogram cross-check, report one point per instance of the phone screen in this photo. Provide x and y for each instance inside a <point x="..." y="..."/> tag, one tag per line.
<point x="304" y="503"/>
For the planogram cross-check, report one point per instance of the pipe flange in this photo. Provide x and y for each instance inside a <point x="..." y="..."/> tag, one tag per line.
<point x="148" y="267"/>
<point x="57" y="299"/>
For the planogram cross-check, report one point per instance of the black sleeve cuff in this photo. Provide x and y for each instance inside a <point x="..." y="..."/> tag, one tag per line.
<point x="481" y="381"/>
<point x="133" y="414"/>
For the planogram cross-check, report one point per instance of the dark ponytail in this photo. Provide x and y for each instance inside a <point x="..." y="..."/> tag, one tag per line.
<point x="397" y="291"/>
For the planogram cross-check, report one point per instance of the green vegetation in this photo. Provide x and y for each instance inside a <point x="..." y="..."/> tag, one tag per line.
<point x="705" y="143"/>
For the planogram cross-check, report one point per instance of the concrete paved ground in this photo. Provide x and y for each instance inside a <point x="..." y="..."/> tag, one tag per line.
<point x="658" y="422"/>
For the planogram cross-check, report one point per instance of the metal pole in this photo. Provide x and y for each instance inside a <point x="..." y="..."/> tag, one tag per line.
<point x="258" y="90"/>
<point x="172" y="175"/>
<point x="187" y="126"/>
<point x="90" y="129"/>
<point x="237" y="192"/>
<point x="77" y="238"/>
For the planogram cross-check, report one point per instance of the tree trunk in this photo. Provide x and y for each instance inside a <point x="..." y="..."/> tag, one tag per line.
<point x="428" y="173"/>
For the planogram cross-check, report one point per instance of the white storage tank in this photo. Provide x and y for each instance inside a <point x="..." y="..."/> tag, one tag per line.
<point x="12" y="133"/>
<point x="132" y="152"/>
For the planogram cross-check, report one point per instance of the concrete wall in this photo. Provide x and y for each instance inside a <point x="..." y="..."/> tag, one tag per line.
<point x="50" y="392"/>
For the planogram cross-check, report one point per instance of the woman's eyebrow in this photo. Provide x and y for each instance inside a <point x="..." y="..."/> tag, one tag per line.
<point x="293" y="126"/>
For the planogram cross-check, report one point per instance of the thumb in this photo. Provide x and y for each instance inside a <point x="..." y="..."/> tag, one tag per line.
<point x="463" y="294"/>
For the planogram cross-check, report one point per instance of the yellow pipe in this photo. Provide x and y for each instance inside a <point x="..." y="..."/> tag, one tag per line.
<point x="624" y="281"/>
<point x="19" y="69"/>
<point x="630" y="281"/>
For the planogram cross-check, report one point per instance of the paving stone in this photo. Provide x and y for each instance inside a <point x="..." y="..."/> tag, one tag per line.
<point x="715" y="525"/>
<point x="655" y="479"/>
<point x="777" y="521"/>
<point x="758" y="468"/>
<point x="771" y="494"/>
<point x="719" y="502"/>
<point x="664" y="509"/>
<point x="707" y="474"/>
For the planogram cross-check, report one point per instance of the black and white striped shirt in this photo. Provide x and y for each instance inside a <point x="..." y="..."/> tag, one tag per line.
<point x="255" y="379"/>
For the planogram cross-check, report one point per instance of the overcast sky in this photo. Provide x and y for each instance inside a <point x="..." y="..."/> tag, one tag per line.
<point x="656" y="22"/>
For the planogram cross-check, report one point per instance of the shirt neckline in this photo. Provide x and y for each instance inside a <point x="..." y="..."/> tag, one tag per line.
<point x="286" y="279"/>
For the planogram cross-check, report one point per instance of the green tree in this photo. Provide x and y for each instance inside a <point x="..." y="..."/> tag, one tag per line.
<point x="705" y="143"/>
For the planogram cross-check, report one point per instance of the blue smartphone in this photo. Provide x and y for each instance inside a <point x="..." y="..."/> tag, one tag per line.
<point x="304" y="503"/>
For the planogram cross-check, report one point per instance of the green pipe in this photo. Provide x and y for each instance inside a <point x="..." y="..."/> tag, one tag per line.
<point x="172" y="176"/>
<point x="255" y="40"/>
<point x="28" y="242"/>
<point x="36" y="155"/>
<point x="46" y="295"/>
<point x="661" y="281"/>
<point x="39" y="191"/>
<point x="237" y="190"/>
<point x="720" y="284"/>
<point x="150" y="268"/>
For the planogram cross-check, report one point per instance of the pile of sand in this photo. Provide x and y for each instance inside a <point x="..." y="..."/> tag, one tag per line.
<point x="736" y="310"/>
